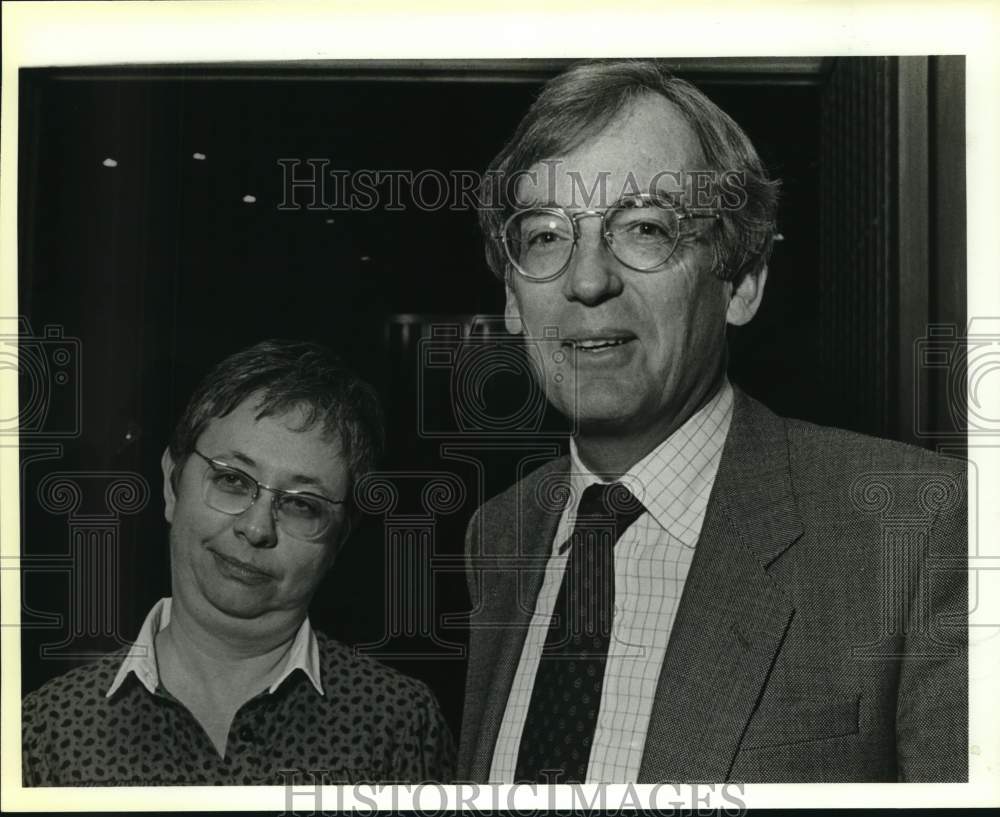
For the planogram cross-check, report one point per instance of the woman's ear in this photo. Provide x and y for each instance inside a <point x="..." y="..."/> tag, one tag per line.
<point x="169" y="491"/>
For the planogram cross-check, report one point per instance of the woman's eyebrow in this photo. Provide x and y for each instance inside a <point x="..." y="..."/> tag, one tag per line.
<point x="297" y="479"/>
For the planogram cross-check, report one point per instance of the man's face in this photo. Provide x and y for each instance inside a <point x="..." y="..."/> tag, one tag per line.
<point x="663" y="332"/>
<point x="244" y="566"/>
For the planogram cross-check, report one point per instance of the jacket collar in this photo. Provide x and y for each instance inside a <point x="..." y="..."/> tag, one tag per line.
<point x="754" y="484"/>
<point x="733" y="614"/>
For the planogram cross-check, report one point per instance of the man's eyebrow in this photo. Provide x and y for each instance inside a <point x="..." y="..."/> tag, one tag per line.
<point x="298" y="479"/>
<point x="532" y="203"/>
<point x="675" y="197"/>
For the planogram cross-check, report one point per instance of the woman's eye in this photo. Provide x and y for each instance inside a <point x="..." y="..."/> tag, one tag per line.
<point x="301" y="507"/>
<point x="228" y="481"/>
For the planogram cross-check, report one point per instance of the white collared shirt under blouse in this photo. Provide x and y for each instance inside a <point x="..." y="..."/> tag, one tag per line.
<point x="141" y="658"/>
<point x="652" y="560"/>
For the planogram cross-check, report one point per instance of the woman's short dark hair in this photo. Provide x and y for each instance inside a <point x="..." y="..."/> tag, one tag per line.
<point x="579" y="104"/>
<point x="285" y="375"/>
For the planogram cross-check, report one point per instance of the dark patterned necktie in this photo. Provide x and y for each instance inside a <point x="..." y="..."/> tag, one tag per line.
<point x="559" y="728"/>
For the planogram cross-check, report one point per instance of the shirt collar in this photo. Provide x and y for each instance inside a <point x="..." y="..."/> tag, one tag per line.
<point x="141" y="657"/>
<point x="674" y="480"/>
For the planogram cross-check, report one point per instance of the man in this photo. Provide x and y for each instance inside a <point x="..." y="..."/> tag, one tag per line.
<point x="227" y="682"/>
<point x="752" y="599"/>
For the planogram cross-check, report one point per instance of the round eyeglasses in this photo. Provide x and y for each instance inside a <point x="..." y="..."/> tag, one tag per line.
<point x="298" y="513"/>
<point x="641" y="231"/>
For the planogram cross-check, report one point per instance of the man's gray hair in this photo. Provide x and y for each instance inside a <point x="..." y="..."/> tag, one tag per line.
<point x="579" y="104"/>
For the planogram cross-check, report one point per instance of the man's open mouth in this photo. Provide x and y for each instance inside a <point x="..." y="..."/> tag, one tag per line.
<point x="598" y="344"/>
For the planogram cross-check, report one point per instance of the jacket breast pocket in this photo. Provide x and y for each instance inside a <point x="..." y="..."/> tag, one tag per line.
<point x="786" y="720"/>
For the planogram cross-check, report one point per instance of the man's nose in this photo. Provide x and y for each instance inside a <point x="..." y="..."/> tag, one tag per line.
<point x="256" y="523"/>
<point x="594" y="274"/>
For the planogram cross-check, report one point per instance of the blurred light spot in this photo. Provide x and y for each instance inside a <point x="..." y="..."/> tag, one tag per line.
<point x="249" y="199"/>
<point x="109" y="162"/>
<point x="779" y="237"/>
<point x="366" y="258"/>
<point x="199" y="156"/>
<point x="329" y="221"/>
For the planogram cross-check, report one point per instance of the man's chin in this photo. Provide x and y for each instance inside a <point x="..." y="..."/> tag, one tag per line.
<point x="601" y="426"/>
<point x="603" y="417"/>
<point x="603" y="402"/>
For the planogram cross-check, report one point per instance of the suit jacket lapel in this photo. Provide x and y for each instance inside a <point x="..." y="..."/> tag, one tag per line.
<point x="521" y="546"/>
<point x="732" y="616"/>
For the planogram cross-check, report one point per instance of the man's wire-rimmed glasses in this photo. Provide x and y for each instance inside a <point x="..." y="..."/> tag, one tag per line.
<point x="300" y="514"/>
<point x="641" y="231"/>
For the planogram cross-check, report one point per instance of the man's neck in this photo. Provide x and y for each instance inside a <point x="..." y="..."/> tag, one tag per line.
<point x="612" y="452"/>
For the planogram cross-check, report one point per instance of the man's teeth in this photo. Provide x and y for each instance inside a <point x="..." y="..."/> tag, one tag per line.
<point x="598" y="344"/>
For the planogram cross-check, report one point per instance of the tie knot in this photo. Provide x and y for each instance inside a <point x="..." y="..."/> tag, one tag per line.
<point x="610" y="501"/>
<point x="604" y="508"/>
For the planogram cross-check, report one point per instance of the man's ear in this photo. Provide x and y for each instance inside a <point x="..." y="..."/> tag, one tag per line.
<point x="512" y="314"/>
<point x="746" y="298"/>
<point x="169" y="494"/>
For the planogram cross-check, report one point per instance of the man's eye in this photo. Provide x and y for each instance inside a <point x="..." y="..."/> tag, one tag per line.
<point x="647" y="231"/>
<point x="542" y="238"/>
<point x="541" y="231"/>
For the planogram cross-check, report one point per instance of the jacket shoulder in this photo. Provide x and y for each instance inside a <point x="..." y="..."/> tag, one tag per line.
<point x="838" y="449"/>
<point x="828" y="449"/>
<point x="849" y="476"/>
<point x="834" y="477"/>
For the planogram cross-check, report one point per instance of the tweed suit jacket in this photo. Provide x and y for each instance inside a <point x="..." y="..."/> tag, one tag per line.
<point x="822" y="631"/>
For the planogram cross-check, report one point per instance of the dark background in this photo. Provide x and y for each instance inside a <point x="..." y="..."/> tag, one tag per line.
<point x="153" y="270"/>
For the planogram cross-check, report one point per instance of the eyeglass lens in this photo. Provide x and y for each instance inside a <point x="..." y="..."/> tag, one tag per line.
<point x="642" y="234"/>
<point x="233" y="492"/>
